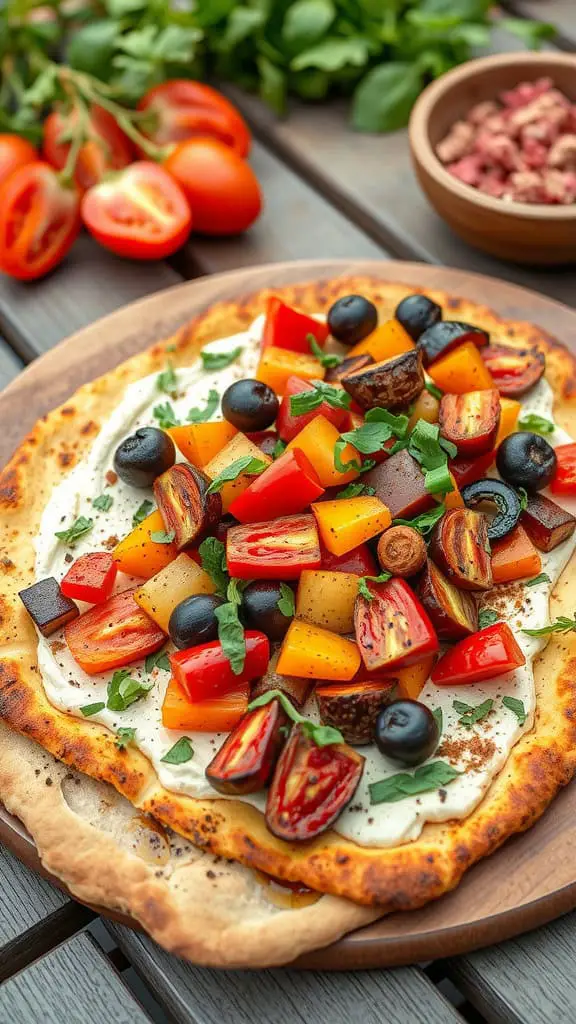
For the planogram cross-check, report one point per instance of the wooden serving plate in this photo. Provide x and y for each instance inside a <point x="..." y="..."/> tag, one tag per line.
<point x="532" y="878"/>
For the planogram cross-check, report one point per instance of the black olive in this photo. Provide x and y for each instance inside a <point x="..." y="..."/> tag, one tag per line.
<point x="193" y="621"/>
<point x="260" y="609"/>
<point x="352" y="318"/>
<point x="250" y="405"/>
<point x="416" y="313"/>
<point x="500" y="494"/>
<point x="442" y="337"/>
<point x="143" y="456"/>
<point x="406" y="731"/>
<point x="526" y="460"/>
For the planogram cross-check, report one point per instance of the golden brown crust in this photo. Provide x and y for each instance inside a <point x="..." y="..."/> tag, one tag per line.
<point x="396" y="878"/>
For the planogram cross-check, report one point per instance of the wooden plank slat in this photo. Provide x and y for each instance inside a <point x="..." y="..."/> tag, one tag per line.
<point x="73" y="985"/>
<point x="10" y="364"/>
<point x="197" y="995"/>
<point x="561" y="13"/>
<point x="529" y="980"/>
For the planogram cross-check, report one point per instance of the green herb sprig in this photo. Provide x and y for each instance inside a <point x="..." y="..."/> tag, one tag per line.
<point x="322" y="735"/>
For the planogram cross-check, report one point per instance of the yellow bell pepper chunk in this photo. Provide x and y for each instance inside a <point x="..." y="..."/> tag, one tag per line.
<point x="312" y="653"/>
<point x="139" y="555"/>
<point x="239" y="446"/>
<point x="385" y="342"/>
<point x="509" y="413"/>
<point x="278" y="364"/>
<point x="201" y="442"/>
<point x="347" y="522"/>
<point x="318" y="440"/>
<point x="461" y="370"/>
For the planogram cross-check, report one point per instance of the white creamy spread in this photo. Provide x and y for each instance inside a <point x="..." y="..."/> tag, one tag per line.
<point x="479" y="752"/>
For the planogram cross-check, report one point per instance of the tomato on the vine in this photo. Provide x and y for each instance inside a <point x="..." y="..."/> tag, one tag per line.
<point x="106" y="147"/>
<point x="14" y="153"/>
<point x="39" y="220"/>
<point x="140" y="212"/>
<point x="183" y="109"/>
<point x="220" y="186"/>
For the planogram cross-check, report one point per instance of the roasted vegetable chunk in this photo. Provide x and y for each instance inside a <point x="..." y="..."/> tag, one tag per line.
<point x="546" y="523"/>
<point x="188" y="511"/>
<point x="460" y="547"/>
<point x="470" y="421"/>
<point x="390" y="385"/>
<point x="452" y="611"/>
<point x="399" y="483"/>
<point x="47" y="606"/>
<point x="354" y="707"/>
<point x="248" y="755"/>
<point x="392" y="628"/>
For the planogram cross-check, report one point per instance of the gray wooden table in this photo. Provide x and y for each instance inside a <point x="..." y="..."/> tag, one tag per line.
<point x="328" y="194"/>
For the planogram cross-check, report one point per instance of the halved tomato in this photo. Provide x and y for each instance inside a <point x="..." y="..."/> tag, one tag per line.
<point x="112" y="634"/>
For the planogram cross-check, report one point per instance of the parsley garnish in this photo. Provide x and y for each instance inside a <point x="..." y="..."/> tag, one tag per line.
<point x="523" y="495"/>
<point x="219" y="360"/>
<point x="167" y="381"/>
<point x="560" y="625"/>
<point x="230" y="629"/>
<point x="487" y="617"/>
<point x="181" y="752"/>
<point x="213" y="555"/>
<point x="368" y="438"/>
<point x="124" y="691"/>
<point x="343" y="467"/>
<point x="426" y="778"/>
<point x="157" y="660"/>
<point x="307" y="401"/>
<point x="279" y="449"/>
<point x="92" y="709"/>
<point x="517" y="707"/>
<point x="162" y="537"/>
<point x="103" y="502"/>
<point x="433" y="390"/>
<point x="322" y="735"/>
<point x="79" y="527"/>
<point x="543" y="577"/>
<point x="286" y="603"/>
<point x="165" y="415"/>
<point x="432" y="451"/>
<point x="425" y="522"/>
<point x="355" y="490"/>
<point x="202" y="415"/>
<point x="538" y="424"/>
<point x="470" y="714"/>
<point x="246" y="465"/>
<point x="437" y="712"/>
<point x="124" y="736"/>
<point x="327" y="359"/>
<point x="142" y="512"/>
<point x="364" y="580"/>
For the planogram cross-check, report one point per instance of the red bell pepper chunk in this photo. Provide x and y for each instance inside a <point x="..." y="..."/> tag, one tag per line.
<point x="91" y="577"/>
<point x="289" y="425"/>
<point x="113" y="634"/>
<point x="564" y="481"/>
<point x="204" y="672"/>
<point x="360" y="561"/>
<point x="288" y="486"/>
<point x="279" y="549"/>
<point x="490" y="652"/>
<point x="287" y="328"/>
<point x="467" y="471"/>
<point x="392" y="629"/>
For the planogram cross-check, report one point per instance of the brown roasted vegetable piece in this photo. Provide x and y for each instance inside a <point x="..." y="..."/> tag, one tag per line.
<point x="471" y="421"/>
<point x="399" y="483"/>
<point x="297" y="690"/>
<point x="188" y="511"/>
<point x="354" y="707"/>
<point x="390" y="385"/>
<point x="514" y="370"/>
<point x="401" y="551"/>
<point x="460" y="547"/>
<point x="47" y="606"/>
<point x="248" y="755"/>
<point x="311" y="786"/>
<point x="349" y="365"/>
<point x="546" y="523"/>
<point x="453" y="612"/>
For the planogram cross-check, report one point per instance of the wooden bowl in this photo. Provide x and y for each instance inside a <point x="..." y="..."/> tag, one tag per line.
<point x="521" y="232"/>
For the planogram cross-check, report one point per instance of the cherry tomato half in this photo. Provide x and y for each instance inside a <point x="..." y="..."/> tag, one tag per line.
<point x="39" y="221"/>
<point x="14" y="153"/>
<point x="564" y="481"/>
<point x="141" y="212"/>
<point x="106" y="147"/>
<point x="112" y="634"/>
<point x="183" y="109"/>
<point x="222" y="189"/>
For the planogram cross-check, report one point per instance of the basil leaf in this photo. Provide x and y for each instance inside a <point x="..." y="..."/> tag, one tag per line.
<point x="537" y="424"/>
<point x="326" y="359"/>
<point x="165" y="415"/>
<point x="219" y="360"/>
<point x="103" y="502"/>
<point x="523" y="495"/>
<point x="279" y="449"/>
<point x="470" y="715"/>
<point x="543" y="577"/>
<point x="79" y="527"/>
<point x="364" y="580"/>
<point x="231" y="636"/>
<point x="123" y="691"/>
<point x="181" y="752"/>
<point x="246" y="465"/>
<point x="425" y="522"/>
<point x="385" y="97"/>
<point x="487" y="617"/>
<point x="439" y="717"/>
<point x="234" y="590"/>
<point x="157" y="660"/>
<point x="355" y="490"/>
<point x="142" y="512"/>
<point x="92" y="709"/>
<point x="203" y="415"/>
<point x="344" y="467"/>
<point x="517" y="707"/>
<point x="213" y="556"/>
<point x="425" y="779"/>
<point x="167" y="380"/>
<point x="322" y="735"/>
<point x="161" y="537"/>
<point x="286" y="603"/>
<point x="307" y="401"/>
<point x="433" y="390"/>
<point x="124" y="736"/>
<point x="560" y="625"/>
<point x="306" y="21"/>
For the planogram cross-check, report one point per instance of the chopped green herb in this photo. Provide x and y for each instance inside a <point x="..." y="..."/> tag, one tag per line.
<point x="92" y="709"/>
<point x="560" y="625"/>
<point x="425" y="779"/>
<point x="437" y="712"/>
<point x="487" y="617"/>
<point x="470" y="715"/>
<point x="235" y="589"/>
<point x="279" y="449"/>
<point x="367" y="465"/>
<point x="166" y="416"/>
<point x="123" y="690"/>
<point x="425" y="522"/>
<point x="364" y="580"/>
<point x="431" y="451"/>
<point x="246" y="465"/>
<point x="142" y="512"/>
<point x="538" y="424"/>
<point x="79" y="527"/>
<point x="103" y="502"/>
<point x="181" y="752"/>
<point x="231" y="635"/>
<point x="517" y="707"/>
<point x="439" y="481"/>
<point x="213" y="556"/>
<point x="327" y="359"/>
<point x="398" y="424"/>
<point x="543" y="577"/>
<point x="433" y="390"/>
<point x="344" y="467"/>
<point x="322" y="735"/>
<point x="220" y="360"/>
<point x="307" y="401"/>
<point x="157" y="660"/>
<point x="124" y="736"/>
<point x="167" y="380"/>
<point x="523" y="495"/>
<point x="162" y="537"/>
<point x="355" y="490"/>
<point x="369" y="438"/>
<point x="286" y="603"/>
<point x="203" y="415"/>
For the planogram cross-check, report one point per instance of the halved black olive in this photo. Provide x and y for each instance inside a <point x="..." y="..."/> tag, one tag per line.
<point x="445" y="335"/>
<point x="500" y="494"/>
<point x="526" y="460"/>
<point x="416" y="313"/>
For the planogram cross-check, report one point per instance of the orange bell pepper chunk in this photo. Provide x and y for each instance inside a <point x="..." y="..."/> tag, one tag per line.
<point x="139" y="555"/>
<point x="310" y="652"/>
<point x="453" y="499"/>
<point x="345" y="523"/>
<point x="278" y="364"/>
<point x="201" y="442"/>
<point x="461" y="370"/>
<point x="509" y="413"/>
<point x="318" y="440"/>
<point x="388" y="340"/>
<point x="411" y="680"/>
<point x="239" y="446"/>
<point x="514" y="557"/>
<point x="218" y="715"/>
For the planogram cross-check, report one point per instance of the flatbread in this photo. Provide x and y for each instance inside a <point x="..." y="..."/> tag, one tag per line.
<point x="396" y="878"/>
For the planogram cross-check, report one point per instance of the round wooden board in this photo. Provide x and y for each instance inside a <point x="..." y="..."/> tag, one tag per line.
<point x="532" y="878"/>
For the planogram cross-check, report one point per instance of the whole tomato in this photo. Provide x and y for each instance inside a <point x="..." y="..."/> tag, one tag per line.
<point x="140" y="212"/>
<point x="182" y="110"/>
<point x="39" y="220"/>
<point x="106" y="148"/>
<point x="221" y="188"/>
<point x="14" y="152"/>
